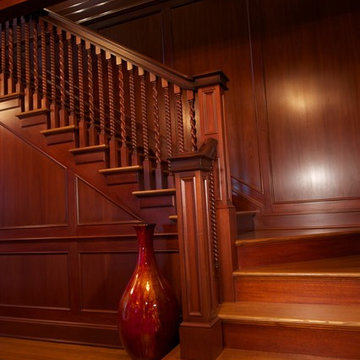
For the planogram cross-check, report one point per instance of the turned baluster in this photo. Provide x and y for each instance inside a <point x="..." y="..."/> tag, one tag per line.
<point x="165" y="86"/>
<point x="113" y="141"/>
<point x="93" y="134"/>
<point x="103" y="130"/>
<point x="124" y="152"/>
<point x="3" y="84"/>
<point x="36" y="96"/>
<point x="191" y="102"/>
<point x="44" y="87"/>
<point x="27" y="92"/>
<point x="179" y="118"/>
<point x="70" y="67"/>
<point x="54" y="113"/>
<point x="10" y="79"/>
<point x="63" y="113"/>
<point x="18" y="56"/>
<point x="158" y="171"/>
<point x="134" y="156"/>
<point x="145" y="131"/>
<point x="83" y="132"/>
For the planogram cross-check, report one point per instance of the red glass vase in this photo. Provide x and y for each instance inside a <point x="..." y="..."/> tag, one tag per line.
<point x="148" y="316"/>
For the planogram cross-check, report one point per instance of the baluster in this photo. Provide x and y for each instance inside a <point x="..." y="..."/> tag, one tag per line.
<point x="28" y="92"/>
<point x="93" y="135"/>
<point x="124" y="151"/>
<point x="63" y="114"/>
<point x="165" y="86"/>
<point x="103" y="133"/>
<point x="54" y="113"/>
<point x="3" y="61"/>
<point x="71" y="79"/>
<point x="179" y="118"/>
<point x="113" y="141"/>
<point x="191" y="101"/>
<point x="83" y="133"/>
<point x="134" y="158"/>
<point x="10" y="84"/>
<point x="158" y="172"/>
<point x="36" y="66"/>
<point x="146" y="163"/>
<point x="18" y="57"/>
<point x="44" y="87"/>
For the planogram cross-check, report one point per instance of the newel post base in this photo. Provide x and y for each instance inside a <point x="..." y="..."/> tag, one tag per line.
<point x="201" y="331"/>
<point x="201" y="341"/>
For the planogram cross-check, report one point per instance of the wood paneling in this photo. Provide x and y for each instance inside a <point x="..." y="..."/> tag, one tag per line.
<point x="105" y="212"/>
<point x="34" y="280"/>
<point x="32" y="185"/>
<point x="311" y="56"/>
<point x="142" y="34"/>
<point x="292" y="111"/>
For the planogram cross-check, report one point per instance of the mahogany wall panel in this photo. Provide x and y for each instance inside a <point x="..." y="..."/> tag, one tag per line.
<point x="105" y="211"/>
<point x="32" y="185"/>
<point x="211" y="35"/>
<point x="312" y="74"/>
<point x="142" y="34"/>
<point x="34" y="280"/>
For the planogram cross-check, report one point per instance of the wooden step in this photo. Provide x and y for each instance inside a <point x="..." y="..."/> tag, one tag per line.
<point x="236" y="354"/>
<point x="34" y="117"/>
<point x="156" y="198"/>
<point x="90" y="154"/>
<point x="122" y="175"/>
<point x="325" y="281"/>
<point x="245" y="221"/>
<point x="274" y="247"/>
<point x="60" y="135"/>
<point x="10" y="101"/>
<point x="312" y="329"/>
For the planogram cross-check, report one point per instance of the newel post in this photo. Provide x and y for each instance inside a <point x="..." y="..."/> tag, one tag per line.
<point x="212" y="124"/>
<point x="200" y="331"/>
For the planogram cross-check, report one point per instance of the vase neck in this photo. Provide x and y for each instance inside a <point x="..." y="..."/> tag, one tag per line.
<point x="145" y="243"/>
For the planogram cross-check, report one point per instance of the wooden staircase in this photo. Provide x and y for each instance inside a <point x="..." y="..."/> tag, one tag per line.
<point x="296" y="296"/>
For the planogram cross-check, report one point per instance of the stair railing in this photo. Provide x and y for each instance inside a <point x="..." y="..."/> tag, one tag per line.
<point x="147" y="117"/>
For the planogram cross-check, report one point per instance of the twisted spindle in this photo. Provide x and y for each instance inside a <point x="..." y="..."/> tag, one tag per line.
<point x="165" y="86"/>
<point x="52" y="66"/>
<point x="111" y="96"/>
<point x="101" y="97"/>
<point x="71" y="75"/>
<point x="213" y="222"/>
<point x="191" y="102"/>
<point x="35" y="64"/>
<point x="92" y="130"/>
<point x="123" y="150"/>
<point x="18" y="56"/>
<point x="156" y="120"/>
<point x="133" y="116"/>
<point x="11" y="57"/>
<point x="179" y="118"/>
<point x="43" y="64"/>
<point x="145" y="129"/>
<point x="3" y="59"/>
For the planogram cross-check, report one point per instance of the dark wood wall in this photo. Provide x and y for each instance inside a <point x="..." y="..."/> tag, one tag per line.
<point x="67" y="249"/>
<point x="292" y="107"/>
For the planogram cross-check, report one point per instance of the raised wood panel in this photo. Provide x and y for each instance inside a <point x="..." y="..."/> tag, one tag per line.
<point x="209" y="35"/>
<point x="38" y="280"/>
<point x="142" y="34"/>
<point x="32" y="185"/>
<point x="93" y="207"/>
<point x="312" y="75"/>
<point x="104" y="277"/>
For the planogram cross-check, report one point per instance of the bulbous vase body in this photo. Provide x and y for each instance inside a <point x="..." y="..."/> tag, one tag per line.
<point x="148" y="316"/>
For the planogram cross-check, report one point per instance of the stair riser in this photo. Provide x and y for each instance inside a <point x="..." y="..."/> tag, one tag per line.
<point x="298" y="289"/>
<point x="283" y="251"/>
<point x="244" y="222"/>
<point x="338" y="343"/>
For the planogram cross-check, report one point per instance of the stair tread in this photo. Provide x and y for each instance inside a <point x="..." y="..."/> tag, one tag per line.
<point x="282" y="235"/>
<point x="348" y="266"/>
<point x="236" y="354"/>
<point x="291" y="313"/>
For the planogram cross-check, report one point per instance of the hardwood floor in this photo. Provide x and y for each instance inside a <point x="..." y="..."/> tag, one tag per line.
<point x="19" y="349"/>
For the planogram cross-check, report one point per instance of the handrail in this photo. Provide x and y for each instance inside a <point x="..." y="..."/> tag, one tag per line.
<point x="135" y="58"/>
